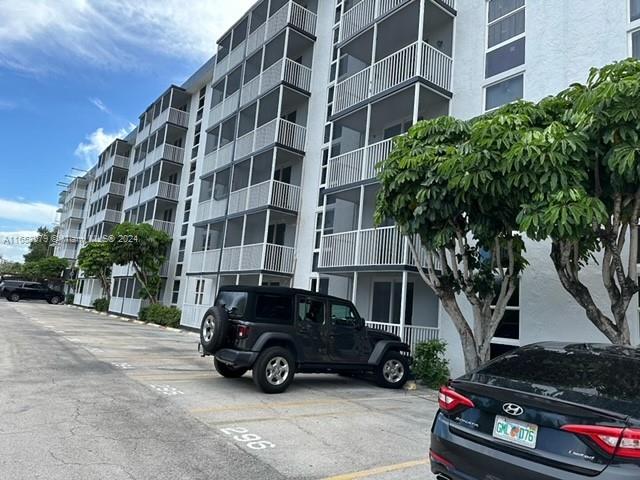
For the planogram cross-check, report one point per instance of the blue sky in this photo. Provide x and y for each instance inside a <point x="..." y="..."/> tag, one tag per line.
<point x="74" y="75"/>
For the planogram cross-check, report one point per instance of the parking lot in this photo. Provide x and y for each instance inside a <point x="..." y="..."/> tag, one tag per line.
<point x="92" y="396"/>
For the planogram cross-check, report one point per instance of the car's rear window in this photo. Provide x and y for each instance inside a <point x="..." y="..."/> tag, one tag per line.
<point x="274" y="309"/>
<point x="578" y="373"/>
<point x="235" y="303"/>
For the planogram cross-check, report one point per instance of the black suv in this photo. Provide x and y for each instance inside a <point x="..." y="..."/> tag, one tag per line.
<point x="278" y="331"/>
<point x="16" y="290"/>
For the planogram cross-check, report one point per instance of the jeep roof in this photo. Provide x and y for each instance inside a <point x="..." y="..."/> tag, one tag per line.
<point x="277" y="291"/>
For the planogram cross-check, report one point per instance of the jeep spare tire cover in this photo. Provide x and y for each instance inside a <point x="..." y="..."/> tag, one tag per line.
<point x="213" y="329"/>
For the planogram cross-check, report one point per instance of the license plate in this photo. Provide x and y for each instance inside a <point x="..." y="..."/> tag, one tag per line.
<point x="514" y="431"/>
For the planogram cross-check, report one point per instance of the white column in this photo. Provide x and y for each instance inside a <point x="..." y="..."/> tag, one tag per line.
<point x="403" y="304"/>
<point x="354" y="288"/>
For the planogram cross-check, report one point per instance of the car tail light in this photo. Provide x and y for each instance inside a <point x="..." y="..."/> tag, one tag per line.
<point x="243" y="331"/>
<point x="623" y="442"/>
<point x="449" y="399"/>
<point x="440" y="459"/>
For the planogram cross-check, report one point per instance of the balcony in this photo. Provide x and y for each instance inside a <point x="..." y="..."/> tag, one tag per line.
<point x="120" y="161"/>
<point x="71" y="213"/>
<point x="270" y="193"/>
<point x="418" y="59"/>
<point x="211" y="209"/>
<point x="112" y="188"/>
<point x="283" y="132"/>
<point x="412" y="334"/>
<point x="284" y="70"/>
<point x="166" y="152"/>
<point x="363" y="14"/>
<point x="166" y="227"/>
<point x="218" y="158"/>
<point x="207" y="261"/>
<point x="358" y="165"/>
<point x="292" y="14"/>
<point x="231" y="60"/>
<point x="166" y="190"/>
<point x="223" y="109"/>
<point x="260" y="256"/>
<point x="383" y="247"/>
<point x="170" y="115"/>
<point x="76" y="191"/>
<point x="107" y="215"/>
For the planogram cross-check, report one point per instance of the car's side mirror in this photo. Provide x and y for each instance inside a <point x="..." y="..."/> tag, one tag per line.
<point x="360" y="324"/>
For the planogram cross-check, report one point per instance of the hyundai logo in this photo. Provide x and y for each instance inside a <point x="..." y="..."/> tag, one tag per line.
<point x="513" y="409"/>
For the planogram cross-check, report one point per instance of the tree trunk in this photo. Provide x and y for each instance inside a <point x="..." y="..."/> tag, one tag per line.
<point x="472" y="359"/>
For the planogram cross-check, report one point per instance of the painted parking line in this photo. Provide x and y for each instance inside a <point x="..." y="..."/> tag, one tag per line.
<point x="380" y="470"/>
<point x="304" y="403"/>
<point x="166" y="390"/>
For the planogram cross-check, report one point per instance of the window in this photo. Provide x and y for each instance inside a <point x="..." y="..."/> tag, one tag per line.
<point x="273" y="309"/>
<point x="199" y="292"/>
<point x="506" y="28"/>
<point x="503" y="92"/>
<point x="311" y="310"/>
<point x="635" y="44"/>
<point x="635" y="10"/>
<point x="342" y="314"/>
<point x="500" y="8"/>
<point x="505" y="58"/>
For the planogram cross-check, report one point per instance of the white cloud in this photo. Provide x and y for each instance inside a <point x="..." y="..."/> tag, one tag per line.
<point x="96" y="142"/>
<point x="13" y="245"/>
<point x="106" y="33"/>
<point x="7" y="104"/>
<point x="100" y="105"/>
<point x="36" y="213"/>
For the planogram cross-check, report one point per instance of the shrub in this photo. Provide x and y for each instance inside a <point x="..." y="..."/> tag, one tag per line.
<point x="430" y="366"/>
<point x="101" y="304"/>
<point x="68" y="298"/>
<point x="160" y="314"/>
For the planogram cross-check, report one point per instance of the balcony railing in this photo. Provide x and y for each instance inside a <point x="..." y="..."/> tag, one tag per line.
<point x="382" y="247"/>
<point x="223" y="109"/>
<point x="413" y="335"/>
<point x="170" y="115"/>
<point x="166" y="227"/>
<point x="285" y="70"/>
<point x="68" y="213"/>
<point x="291" y="13"/>
<point x="280" y="131"/>
<point x="193" y="314"/>
<point x="167" y="190"/>
<point x="218" y="158"/>
<point x="260" y="256"/>
<point x="272" y="192"/>
<point x="121" y="161"/>
<point x="206" y="261"/>
<point x="417" y="59"/>
<point x="167" y="152"/>
<point x="357" y="165"/>
<point x="211" y="209"/>
<point x="108" y="215"/>
<point x="234" y="57"/>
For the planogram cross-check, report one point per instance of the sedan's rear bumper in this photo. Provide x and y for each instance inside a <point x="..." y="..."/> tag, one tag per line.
<point x="458" y="458"/>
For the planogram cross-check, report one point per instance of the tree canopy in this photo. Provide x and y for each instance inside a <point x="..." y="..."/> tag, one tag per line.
<point x="95" y="259"/>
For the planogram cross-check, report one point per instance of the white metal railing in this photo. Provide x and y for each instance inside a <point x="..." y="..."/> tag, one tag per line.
<point x="357" y="165"/>
<point x="284" y="69"/>
<point x="418" y="58"/>
<point x="218" y="158"/>
<point x="172" y="153"/>
<point x="211" y="209"/>
<point x="256" y="38"/>
<point x="278" y="258"/>
<point x="277" y="130"/>
<point x="259" y="256"/>
<point x="384" y="246"/>
<point x="385" y="6"/>
<point x="167" y="190"/>
<point x="449" y="3"/>
<point x="357" y="18"/>
<point x="302" y="18"/>
<point x="117" y="188"/>
<point x="224" y="108"/>
<point x="178" y="117"/>
<point x="193" y="314"/>
<point x="271" y="192"/>
<point x="166" y="227"/>
<point x="71" y="213"/>
<point x="292" y="135"/>
<point x="108" y="215"/>
<point x="203" y="210"/>
<point x="121" y="161"/>
<point x="411" y="334"/>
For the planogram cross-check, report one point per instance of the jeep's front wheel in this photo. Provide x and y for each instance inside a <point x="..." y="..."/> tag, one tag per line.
<point x="213" y="329"/>
<point x="274" y="370"/>
<point x="13" y="297"/>
<point x="392" y="371"/>
<point x="227" y="370"/>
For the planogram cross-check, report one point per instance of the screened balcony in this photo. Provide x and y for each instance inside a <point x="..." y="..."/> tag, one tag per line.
<point x="172" y="108"/>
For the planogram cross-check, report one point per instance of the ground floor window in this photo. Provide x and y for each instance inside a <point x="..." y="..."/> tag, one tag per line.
<point x="386" y="302"/>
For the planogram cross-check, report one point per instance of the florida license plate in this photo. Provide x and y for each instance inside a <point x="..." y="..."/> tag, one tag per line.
<point x="514" y="431"/>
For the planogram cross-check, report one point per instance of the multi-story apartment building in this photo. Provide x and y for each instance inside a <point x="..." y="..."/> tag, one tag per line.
<point x="72" y="201"/>
<point x="262" y="165"/>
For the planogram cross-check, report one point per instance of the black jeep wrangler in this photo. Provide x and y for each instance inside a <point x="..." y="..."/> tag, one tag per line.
<point x="278" y="331"/>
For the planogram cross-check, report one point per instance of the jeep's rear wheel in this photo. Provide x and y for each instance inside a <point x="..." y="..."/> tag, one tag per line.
<point x="393" y="371"/>
<point x="274" y="370"/>
<point x="55" y="300"/>
<point x="227" y="370"/>
<point x="213" y="329"/>
<point x="13" y="297"/>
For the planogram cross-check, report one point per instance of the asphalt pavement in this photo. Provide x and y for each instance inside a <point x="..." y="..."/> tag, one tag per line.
<point x="88" y="396"/>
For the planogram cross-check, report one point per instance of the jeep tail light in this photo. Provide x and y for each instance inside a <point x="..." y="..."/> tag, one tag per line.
<point x="449" y="400"/>
<point x="622" y="442"/>
<point x="243" y="331"/>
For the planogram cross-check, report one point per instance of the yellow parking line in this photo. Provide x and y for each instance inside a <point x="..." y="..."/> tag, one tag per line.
<point x="380" y="470"/>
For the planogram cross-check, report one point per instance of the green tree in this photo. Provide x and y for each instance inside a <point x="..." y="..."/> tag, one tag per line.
<point x="9" y="268"/>
<point x="96" y="260"/>
<point x="595" y="210"/>
<point x="443" y="187"/>
<point x="145" y="248"/>
<point x="50" y="268"/>
<point x="42" y="245"/>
